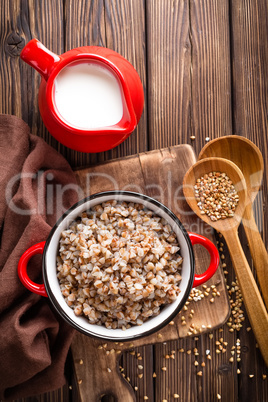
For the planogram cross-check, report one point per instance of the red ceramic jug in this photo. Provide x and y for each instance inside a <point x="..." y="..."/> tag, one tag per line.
<point x="85" y="139"/>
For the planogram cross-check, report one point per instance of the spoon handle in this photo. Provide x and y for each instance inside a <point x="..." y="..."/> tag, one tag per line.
<point x="258" y="251"/>
<point x="253" y="302"/>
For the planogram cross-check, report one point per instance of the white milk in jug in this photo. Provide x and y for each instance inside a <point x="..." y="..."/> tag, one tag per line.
<point x="88" y="96"/>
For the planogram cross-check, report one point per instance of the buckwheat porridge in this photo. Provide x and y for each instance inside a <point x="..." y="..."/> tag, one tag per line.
<point x="118" y="264"/>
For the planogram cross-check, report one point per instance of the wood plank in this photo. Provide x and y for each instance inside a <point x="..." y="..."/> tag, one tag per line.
<point x="19" y="82"/>
<point x="249" y="30"/>
<point x="211" y="117"/>
<point x="138" y="368"/>
<point x="172" y="374"/>
<point x="11" y="43"/>
<point x="211" y="70"/>
<point x="169" y="70"/>
<point x="20" y="22"/>
<point x="106" y="23"/>
<point x="189" y="64"/>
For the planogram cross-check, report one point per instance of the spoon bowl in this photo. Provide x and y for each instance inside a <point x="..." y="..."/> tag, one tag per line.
<point x="253" y="302"/>
<point x="244" y="153"/>
<point x="206" y="166"/>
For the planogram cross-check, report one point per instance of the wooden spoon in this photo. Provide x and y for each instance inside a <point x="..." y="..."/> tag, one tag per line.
<point x="228" y="227"/>
<point x="248" y="158"/>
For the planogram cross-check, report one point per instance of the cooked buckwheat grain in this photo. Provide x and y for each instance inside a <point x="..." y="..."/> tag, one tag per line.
<point x="118" y="264"/>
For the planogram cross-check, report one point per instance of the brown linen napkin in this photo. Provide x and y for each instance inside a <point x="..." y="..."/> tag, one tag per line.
<point x="36" y="186"/>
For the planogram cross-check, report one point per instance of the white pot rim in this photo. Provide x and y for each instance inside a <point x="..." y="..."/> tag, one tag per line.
<point x="81" y="323"/>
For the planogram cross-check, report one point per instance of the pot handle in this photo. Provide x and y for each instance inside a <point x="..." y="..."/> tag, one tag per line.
<point x="214" y="258"/>
<point x="39" y="289"/>
<point x="39" y="248"/>
<point x="39" y="57"/>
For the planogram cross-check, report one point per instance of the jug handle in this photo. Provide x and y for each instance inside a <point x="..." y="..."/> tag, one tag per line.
<point x="39" y="57"/>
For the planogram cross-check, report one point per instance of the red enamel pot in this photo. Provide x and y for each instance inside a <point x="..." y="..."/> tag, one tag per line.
<point x="51" y="288"/>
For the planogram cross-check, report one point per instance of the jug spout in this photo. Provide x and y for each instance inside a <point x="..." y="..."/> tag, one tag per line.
<point x="39" y="57"/>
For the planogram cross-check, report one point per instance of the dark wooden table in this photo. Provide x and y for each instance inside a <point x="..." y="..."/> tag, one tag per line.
<point x="203" y="65"/>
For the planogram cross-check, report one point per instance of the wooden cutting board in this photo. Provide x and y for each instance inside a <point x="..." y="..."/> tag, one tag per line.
<point x="158" y="174"/>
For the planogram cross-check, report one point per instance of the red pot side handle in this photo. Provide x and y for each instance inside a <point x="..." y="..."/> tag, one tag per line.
<point x="37" y="248"/>
<point x="214" y="258"/>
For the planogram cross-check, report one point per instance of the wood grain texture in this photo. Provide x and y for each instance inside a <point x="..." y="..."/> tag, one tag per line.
<point x="250" y="88"/>
<point x="137" y="367"/>
<point x="249" y="30"/>
<point x="189" y="66"/>
<point x="169" y="69"/>
<point x="23" y="20"/>
<point x="211" y="70"/>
